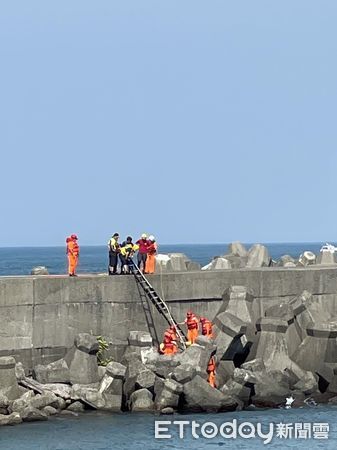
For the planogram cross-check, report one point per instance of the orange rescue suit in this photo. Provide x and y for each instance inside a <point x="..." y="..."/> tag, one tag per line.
<point x="169" y="346"/>
<point x="211" y="372"/>
<point x="150" y="264"/>
<point x="73" y="251"/>
<point x="192" y="328"/>
<point x="207" y="328"/>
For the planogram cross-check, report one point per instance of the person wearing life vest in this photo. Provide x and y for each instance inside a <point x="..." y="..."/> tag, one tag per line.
<point x="113" y="247"/>
<point x="127" y="250"/>
<point x="143" y="244"/>
<point x="169" y="345"/>
<point x="211" y="371"/>
<point x="192" y="324"/>
<point x="73" y="252"/>
<point x="206" y="327"/>
<point x="150" y="265"/>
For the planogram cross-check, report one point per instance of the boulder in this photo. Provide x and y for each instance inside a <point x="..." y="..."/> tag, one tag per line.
<point x="192" y="266"/>
<point x="165" y="365"/>
<point x="224" y="371"/>
<point x="21" y="403"/>
<point x="8" y="382"/>
<point x="134" y="368"/>
<point x="19" y="371"/>
<point x="10" y="419"/>
<point x="82" y="360"/>
<point x="178" y="262"/>
<point x="197" y="355"/>
<point x="307" y="259"/>
<point x="76" y="407"/>
<point x="285" y="260"/>
<point x="146" y="380"/>
<point x="163" y="263"/>
<point x="39" y="401"/>
<point x="116" y="370"/>
<point x="49" y="411"/>
<point x="55" y="372"/>
<point x="200" y="396"/>
<point x="327" y="258"/>
<point x="4" y="401"/>
<point x="168" y="394"/>
<point x="184" y="373"/>
<point x="168" y="411"/>
<point x="141" y="400"/>
<point x="140" y="339"/>
<point x="39" y="270"/>
<point x="221" y="263"/>
<point x="237" y="249"/>
<point x="87" y="343"/>
<point x="31" y="414"/>
<point x="237" y="390"/>
<point x="258" y="256"/>
<point x="268" y="393"/>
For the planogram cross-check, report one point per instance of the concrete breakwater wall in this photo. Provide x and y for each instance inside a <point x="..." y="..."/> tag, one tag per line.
<point x="40" y="316"/>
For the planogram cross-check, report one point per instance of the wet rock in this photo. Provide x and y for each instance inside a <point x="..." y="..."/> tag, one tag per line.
<point x="39" y="270"/>
<point x="200" y="396"/>
<point x="167" y="411"/>
<point x="31" y="414"/>
<point x="49" y="411"/>
<point x="55" y="372"/>
<point x="76" y="407"/>
<point x="66" y="412"/>
<point x="141" y="400"/>
<point x="10" y="419"/>
<point x="167" y="394"/>
<point x="39" y="401"/>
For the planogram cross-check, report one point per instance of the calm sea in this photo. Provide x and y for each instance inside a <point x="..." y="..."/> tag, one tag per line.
<point x="97" y="431"/>
<point x="19" y="261"/>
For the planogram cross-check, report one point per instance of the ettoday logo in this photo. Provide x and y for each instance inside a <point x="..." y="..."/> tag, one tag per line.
<point x="243" y="430"/>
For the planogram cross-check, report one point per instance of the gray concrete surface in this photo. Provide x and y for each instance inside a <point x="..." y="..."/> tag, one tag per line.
<point x="41" y="315"/>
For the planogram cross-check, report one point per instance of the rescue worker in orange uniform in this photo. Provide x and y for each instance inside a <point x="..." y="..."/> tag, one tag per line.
<point x="73" y="251"/>
<point x="192" y="324"/>
<point x="211" y="372"/>
<point x="150" y="264"/>
<point x="169" y="345"/>
<point x="206" y="328"/>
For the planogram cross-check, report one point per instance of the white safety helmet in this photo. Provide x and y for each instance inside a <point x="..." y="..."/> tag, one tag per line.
<point x="152" y="238"/>
<point x="144" y="236"/>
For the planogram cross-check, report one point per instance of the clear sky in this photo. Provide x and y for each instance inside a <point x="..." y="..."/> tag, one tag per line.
<point x="196" y="121"/>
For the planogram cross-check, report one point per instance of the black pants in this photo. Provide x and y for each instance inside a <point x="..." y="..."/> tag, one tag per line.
<point x="125" y="261"/>
<point x="113" y="262"/>
<point x="141" y="258"/>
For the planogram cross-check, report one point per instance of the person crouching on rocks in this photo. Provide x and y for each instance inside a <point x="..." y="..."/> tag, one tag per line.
<point x="169" y="345"/>
<point x="127" y="250"/>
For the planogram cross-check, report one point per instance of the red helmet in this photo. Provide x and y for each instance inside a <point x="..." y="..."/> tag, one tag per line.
<point x="74" y="236"/>
<point x="68" y="239"/>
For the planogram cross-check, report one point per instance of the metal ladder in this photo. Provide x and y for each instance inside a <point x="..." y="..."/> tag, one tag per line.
<point x="147" y="289"/>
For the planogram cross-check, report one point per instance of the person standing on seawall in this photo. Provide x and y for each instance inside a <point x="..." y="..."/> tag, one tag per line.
<point x="114" y="248"/>
<point x="143" y="244"/>
<point x="73" y="253"/>
<point x="150" y="265"/>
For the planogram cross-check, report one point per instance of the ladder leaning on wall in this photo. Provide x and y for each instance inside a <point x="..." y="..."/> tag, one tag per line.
<point x="152" y="297"/>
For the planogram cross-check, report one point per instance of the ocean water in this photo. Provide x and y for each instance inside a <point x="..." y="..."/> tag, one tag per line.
<point x="136" y="431"/>
<point x="19" y="261"/>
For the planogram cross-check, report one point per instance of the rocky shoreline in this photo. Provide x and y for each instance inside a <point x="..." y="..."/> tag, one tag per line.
<point x="262" y="358"/>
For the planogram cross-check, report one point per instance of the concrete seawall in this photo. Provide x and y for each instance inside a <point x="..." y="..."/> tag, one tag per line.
<point x="40" y="316"/>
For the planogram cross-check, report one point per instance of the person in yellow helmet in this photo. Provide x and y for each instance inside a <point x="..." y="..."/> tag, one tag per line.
<point x="127" y="250"/>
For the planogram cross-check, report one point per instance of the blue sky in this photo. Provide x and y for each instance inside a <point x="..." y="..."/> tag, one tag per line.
<point x="196" y="121"/>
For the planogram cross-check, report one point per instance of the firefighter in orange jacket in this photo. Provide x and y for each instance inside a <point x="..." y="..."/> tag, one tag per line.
<point x="206" y="328"/>
<point x="169" y="345"/>
<point x="192" y="324"/>
<point x="211" y="371"/>
<point x="73" y="251"/>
